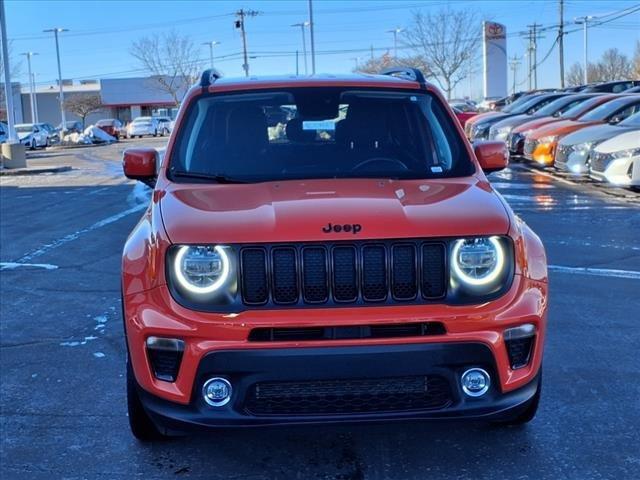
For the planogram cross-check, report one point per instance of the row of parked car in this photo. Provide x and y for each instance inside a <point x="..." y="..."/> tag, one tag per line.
<point x="42" y="135"/>
<point x="582" y="132"/>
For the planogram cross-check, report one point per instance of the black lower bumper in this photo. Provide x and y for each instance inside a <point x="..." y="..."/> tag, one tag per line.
<point x="377" y="365"/>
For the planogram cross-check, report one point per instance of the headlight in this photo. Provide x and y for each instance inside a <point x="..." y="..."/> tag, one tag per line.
<point x="503" y="132"/>
<point x="480" y="266"/>
<point x="548" y="139"/>
<point x="202" y="273"/>
<point x="582" y="148"/>
<point x="631" y="152"/>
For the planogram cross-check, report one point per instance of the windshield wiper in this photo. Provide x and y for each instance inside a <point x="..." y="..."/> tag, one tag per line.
<point x="206" y="176"/>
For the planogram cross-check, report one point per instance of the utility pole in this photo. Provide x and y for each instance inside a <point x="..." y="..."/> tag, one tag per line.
<point x="355" y="59"/>
<point x="371" y="52"/>
<point x="240" y="17"/>
<point x="514" y="62"/>
<point x="32" y="94"/>
<point x="312" y="38"/>
<point x="211" y="44"/>
<point x="57" y="31"/>
<point x="395" y="32"/>
<point x="8" y="91"/>
<point x="585" y="26"/>
<point x="302" y="25"/>
<point x="534" y="35"/>
<point x="561" y="42"/>
<point x="297" y="63"/>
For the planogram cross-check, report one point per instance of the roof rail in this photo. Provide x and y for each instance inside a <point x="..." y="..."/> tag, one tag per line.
<point x="209" y="76"/>
<point x="408" y="73"/>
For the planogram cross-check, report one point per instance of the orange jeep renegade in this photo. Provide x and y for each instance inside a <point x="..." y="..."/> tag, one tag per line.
<point x="327" y="249"/>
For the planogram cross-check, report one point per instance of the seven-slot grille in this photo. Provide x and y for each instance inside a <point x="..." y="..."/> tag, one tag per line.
<point x="562" y="155"/>
<point x="337" y="274"/>
<point x="529" y="147"/>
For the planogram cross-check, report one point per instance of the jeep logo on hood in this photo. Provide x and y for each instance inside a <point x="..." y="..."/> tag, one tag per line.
<point x="347" y="227"/>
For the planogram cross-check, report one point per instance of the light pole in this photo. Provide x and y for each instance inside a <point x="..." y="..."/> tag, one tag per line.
<point x="32" y="93"/>
<point x="304" y="43"/>
<point x="8" y="90"/>
<point x="56" y="31"/>
<point x="211" y="44"/>
<point x="312" y="38"/>
<point x="395" y="32"/>
<point x="585" y="25"/>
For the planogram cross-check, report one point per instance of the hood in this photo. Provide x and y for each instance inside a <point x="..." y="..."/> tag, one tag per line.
<point x="595" y="133"/>
<point x="481" y="116"/>
<point x="625" y="141"/>
<point x="492" y="120"/>
<point x="514" y="120"/>
<point x="293" y="210"/>
<point x="561" y="128"/>
<point x="536" y="123"/>
<point x="23" y="135"/>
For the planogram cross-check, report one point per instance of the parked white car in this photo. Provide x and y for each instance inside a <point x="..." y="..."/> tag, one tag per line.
<point x="164" y="125"/>
<point x="32" y="136"/>
<point x="143" y="126"/>
<point x="617" y="160"/>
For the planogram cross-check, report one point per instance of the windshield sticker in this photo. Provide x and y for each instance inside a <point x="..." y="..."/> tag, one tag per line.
<point x="318" y="125"/>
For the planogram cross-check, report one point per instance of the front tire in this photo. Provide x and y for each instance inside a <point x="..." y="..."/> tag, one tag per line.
<point x="155" y="133"/>
<point x="140" y="423"/>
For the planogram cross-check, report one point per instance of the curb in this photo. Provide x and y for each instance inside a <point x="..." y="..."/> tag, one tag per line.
<point x="35" y="171"/>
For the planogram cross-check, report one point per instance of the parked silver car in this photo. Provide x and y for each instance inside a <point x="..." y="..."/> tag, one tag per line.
<point x="32" y="136"/>
<point x="142" y="126"/>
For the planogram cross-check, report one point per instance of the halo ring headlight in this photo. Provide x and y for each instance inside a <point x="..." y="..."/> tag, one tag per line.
<point x="190" y="286"/>
<point x="488" y="277"/>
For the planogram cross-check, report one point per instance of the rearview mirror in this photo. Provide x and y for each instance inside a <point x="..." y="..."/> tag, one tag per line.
<point x="140" y="164"/>
<point x="492" y="155"/>
<point x="616" y="119"/>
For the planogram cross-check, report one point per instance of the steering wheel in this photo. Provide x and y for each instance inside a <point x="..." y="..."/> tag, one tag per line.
<point x="369" y="162"/>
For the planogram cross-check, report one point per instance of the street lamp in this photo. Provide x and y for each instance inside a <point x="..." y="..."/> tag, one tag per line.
<point x="395" y="32"/>
<point x="211" y="44"/>
<point x="32" y="87"/>
<point x="302" y="25"/>
<point x="56" y="31"/>
<point x="585" y="25"/>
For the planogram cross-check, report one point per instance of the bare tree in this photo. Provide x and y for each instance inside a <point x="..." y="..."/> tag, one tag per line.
<point x="614" y="65"/>
<point x="378" y="64"/>
<point x="447" y="41"/>
<point x="636" y="61"/>
<point x="83" y="104"/>
<point x="172" y="60"/>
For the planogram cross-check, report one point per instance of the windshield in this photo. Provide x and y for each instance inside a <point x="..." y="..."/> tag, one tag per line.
<point x="319" y="133"/>
<point x="23" y="128"/>
<point x="560" y="105"/>
<point x="603" y="112"/>
<point x="582" y="107"/>
<point x="517" y="103"/>
<point x="632" y="121"/>
<point x="142" y="120"/>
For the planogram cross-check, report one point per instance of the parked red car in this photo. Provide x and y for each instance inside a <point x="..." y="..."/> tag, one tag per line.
<point x="463" y="116"/>
<point x="348" y="262"/>
<point x="112" y="126"/>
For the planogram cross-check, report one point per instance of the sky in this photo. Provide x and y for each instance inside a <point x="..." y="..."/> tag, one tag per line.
<point x="101" y="33"/>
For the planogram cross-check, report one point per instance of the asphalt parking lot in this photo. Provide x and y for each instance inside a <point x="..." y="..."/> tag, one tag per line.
<point x="63" y="410"/>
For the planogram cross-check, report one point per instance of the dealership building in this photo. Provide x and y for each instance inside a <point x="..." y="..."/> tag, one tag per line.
<point x="121" y="98"/>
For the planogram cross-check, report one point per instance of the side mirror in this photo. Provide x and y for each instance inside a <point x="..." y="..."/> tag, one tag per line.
<point x="615" y="120"/>
<point x="492" y="155"/>
<point x="140" y="164"/>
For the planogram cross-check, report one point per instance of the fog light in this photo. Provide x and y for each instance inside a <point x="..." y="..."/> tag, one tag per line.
<point x="519" y="341"/>
<point x="165" y="356"/>
<point x="217" y="392"/>
<point x="475" y="382"/>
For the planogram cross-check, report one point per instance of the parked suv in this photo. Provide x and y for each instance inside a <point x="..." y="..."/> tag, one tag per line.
<point x="351" y="264"/>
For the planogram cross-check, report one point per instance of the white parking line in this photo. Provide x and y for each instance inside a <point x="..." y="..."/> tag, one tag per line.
<point x="73" y="236"/>
<point x="13" y="265"/>
<point x="598" y="272"/>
